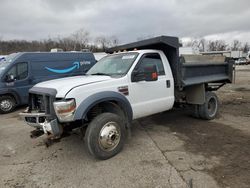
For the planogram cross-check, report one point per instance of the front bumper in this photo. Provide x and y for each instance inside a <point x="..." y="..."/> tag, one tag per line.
<point x="35" y="120"/>
<point x="39" y="121"/>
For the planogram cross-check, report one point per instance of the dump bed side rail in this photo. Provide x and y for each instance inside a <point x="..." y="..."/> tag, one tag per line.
<point x="198" y="73"/>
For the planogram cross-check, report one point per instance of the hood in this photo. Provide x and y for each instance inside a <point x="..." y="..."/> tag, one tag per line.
<point x="63" y="85"/>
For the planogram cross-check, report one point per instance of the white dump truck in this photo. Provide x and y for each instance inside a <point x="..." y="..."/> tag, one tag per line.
<point x="136" y="80"/>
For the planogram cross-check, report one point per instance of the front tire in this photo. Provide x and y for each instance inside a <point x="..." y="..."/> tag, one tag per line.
<point x="7" y="104"/>
<point x="105" y="136"/>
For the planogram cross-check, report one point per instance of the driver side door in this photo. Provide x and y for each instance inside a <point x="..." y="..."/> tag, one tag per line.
<point x="21" y="82"/>
<point x="150" y="97"/>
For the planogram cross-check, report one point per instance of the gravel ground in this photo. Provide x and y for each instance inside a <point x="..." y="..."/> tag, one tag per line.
<point x="170" y="149"/>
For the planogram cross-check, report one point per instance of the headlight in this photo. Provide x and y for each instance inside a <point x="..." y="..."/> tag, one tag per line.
<point x="65" y="110"/>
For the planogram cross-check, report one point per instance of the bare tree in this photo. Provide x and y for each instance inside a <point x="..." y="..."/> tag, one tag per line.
<point x="80" y="38"/>
<point x="66" y="43"/>
<point x="211" y="46"/>
<point x="114" y="41"/>
<point x="236" y="45"/>
<point x="76" y="41"/>
<point x="106" y="42"/>
<point x="102" y="41"/>
<point x="197" y="43"/>
<point x="246" y="47"/>
<point x="217" y="45"/>
<point x="202" y="45"/>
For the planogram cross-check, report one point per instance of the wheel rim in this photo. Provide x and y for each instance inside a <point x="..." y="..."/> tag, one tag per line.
<point x="109" y="136"/>
<point x="212" y="106"/>
<point x="6" y="105"/>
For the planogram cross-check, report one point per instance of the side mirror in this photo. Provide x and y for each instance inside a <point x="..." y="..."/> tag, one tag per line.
<point x="10" y="78"/>
<point x="137" y="76"/>
<point x="150" y="72"/>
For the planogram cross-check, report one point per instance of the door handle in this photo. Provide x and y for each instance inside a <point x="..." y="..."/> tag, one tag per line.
<point x="168" y="84"/>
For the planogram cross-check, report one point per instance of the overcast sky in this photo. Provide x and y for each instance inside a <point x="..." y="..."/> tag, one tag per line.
<point x="127" y="19"/>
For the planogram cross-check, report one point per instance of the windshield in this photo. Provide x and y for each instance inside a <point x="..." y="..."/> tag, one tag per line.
<point x="6" y="61"/>
<point x="117" y="64"/>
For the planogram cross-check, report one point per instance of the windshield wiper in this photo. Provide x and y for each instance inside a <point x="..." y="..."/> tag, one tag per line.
<point x="100" y="73"/>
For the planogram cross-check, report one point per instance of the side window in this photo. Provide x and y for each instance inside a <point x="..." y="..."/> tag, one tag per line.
<point x="152" y="59"/>
<point x="22" y="71"/>
<point x="12" y="71"/>
<point x="19" y="71"/>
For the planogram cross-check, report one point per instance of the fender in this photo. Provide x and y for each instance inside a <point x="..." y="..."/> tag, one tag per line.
<point x="11" y="92"/>
<point x="94" y="99"/>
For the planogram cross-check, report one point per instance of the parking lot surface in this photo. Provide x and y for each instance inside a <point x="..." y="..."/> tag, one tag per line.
<point x="169" y="149"/>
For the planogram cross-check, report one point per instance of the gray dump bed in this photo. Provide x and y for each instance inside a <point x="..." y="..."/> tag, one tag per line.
<point x="187" y="70"/>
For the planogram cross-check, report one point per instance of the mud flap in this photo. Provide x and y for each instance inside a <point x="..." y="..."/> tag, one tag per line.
<point x="195" y="94"/>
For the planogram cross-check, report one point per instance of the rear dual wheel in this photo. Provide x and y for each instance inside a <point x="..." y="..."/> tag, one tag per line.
<point x="209" y="109"/>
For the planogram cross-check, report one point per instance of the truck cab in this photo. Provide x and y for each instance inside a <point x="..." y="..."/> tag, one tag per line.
<point x="122" y="87"/>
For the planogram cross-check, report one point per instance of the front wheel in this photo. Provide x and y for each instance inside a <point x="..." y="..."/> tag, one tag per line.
<point x="7" y="104"/>
<point x="105" y="136"/>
